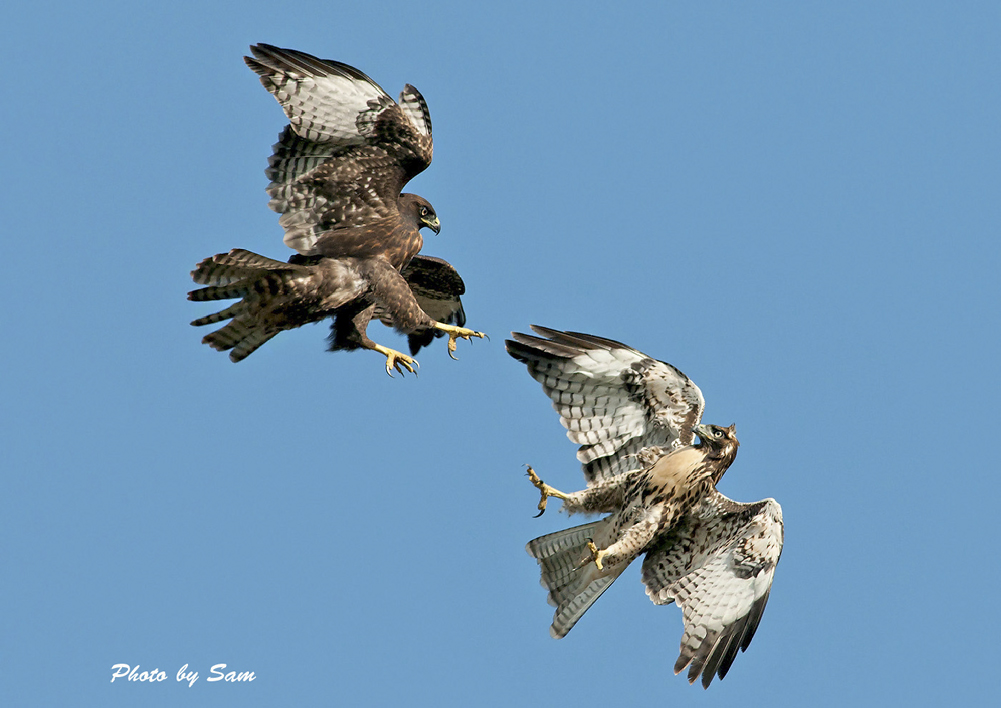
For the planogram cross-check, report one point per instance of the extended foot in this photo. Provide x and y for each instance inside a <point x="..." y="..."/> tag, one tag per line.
<point x="546" y="490"/>
<point x="454" y="333"/>
<point x="596" y="555"/>
<point x="396" y="360"/>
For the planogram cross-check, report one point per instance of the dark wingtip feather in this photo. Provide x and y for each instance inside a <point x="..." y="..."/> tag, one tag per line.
<point x="517" y="350"/>
<point x="717" y="660"/>
<point x="594" y="339"/>
<point x="268" y="58"/>
<point x="753" y="618"/>
<point x="722" y="654"/>
<point x="535" y="347"/>
<point x="694" y="669"/>
<point x="727" y="657"/>
<point x="681" y="663"/>
<point x="578" y="339"/>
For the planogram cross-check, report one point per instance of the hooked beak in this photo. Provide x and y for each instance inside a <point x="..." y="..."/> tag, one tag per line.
<point x="703" y="432"/>
<point x="434" y="225"/>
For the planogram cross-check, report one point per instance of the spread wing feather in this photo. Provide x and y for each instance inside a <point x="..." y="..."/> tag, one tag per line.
<point x="717" y="566"/>
<point x="348" y="150"/>
<point x="622" y="407"/>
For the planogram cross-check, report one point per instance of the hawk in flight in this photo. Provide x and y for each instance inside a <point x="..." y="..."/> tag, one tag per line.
<point x="636" y="421"/>
<point x="336" y="174"/>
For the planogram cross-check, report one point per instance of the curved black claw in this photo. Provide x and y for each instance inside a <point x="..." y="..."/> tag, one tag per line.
<point x="455" y="333"/>
<point x="541" y="486"/>
<point x="402" y="363"/>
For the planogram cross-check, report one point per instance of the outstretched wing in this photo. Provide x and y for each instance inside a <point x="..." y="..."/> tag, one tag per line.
<point x="717" y="566"/>
<point x="436" y="286"/>
<point x="622" y="407"/>
<point x="348" y="149"/>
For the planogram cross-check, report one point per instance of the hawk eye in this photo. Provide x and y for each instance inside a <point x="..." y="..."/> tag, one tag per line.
<point x="719" y="433"/>
<point x="424" y="211"/>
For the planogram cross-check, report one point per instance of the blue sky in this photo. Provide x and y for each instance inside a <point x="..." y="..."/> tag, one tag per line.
<point x="795" y="203"/>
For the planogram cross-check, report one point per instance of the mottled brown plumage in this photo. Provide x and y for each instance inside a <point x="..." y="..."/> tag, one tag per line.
<point x="336" y="178"/>
<point x="436" y="286"/>
<point x="712" y="556"/>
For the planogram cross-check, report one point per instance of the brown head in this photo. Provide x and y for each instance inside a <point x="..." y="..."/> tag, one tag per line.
<point x="420" y="210"/>
<point x="720" y="445"/>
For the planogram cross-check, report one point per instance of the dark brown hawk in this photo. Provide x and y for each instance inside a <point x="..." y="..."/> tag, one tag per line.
<point x="336" y="175"/>
<point x="636" y="420"/>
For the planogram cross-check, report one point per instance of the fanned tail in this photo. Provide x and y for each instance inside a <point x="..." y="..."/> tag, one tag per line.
<point x="572" y="579"/>
<point x="258" y="281"/>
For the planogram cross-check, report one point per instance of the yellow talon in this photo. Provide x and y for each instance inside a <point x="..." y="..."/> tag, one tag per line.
<point x="597" y="555"/>
<point x="396" y="360"/>
<point x="546" y="490"/>
<point x="454" y="333"/>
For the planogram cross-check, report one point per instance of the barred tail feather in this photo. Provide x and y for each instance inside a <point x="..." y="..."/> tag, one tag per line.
<point x="249" y="344"/>
<point x="234" y="310"/>
<point x="238" y="288"/>
<point x="238" y="264"/>
<point x="570" y="611"/>
<point x="573" y="581"/>
<point x="258" y="282"/>
<point x="559" y="553"/>
<point x="242" y="335"/>
<point x="242" y="258"/>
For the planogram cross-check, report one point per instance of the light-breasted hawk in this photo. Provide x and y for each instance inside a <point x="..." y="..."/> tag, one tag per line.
<point x="336" y="175"/>
<point x="636" y="420"/>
